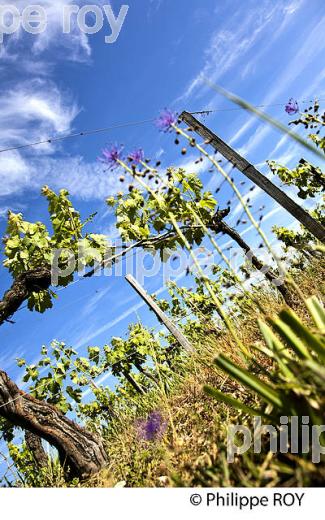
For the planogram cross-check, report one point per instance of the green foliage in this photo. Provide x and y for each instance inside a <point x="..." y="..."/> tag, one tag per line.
<point x="58" y="376"/>
<point x="313" y="120"/>
<point x="32" y="245"/>
<point x="302" y="239"/>
<point x="296" y="385"/>
<point x="140" y="215"/>
<point x="31" y="475"/>
<point x="309" y="179"/>
<point x="27" y="245"/>
<point x="114" y="411"/>
<point x="61" y="375"/>
<point x="101" y="411"/>
<point x="193" y="308"/>
<point x="132" y="216"/>
<point x="194" y="300"/>
<point x="134" y="360"/>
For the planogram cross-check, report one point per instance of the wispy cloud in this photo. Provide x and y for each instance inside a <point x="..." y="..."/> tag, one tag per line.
<point x="191" y="165"/>
<point x="97" y="331"/>
<point x="94" y="301"/>
<point x="231" y="43"/>
<point x="14" y="173"/>
<point x="86" y="180"/>
<point x="33" y="111"/>
<point x="311" y="48"/>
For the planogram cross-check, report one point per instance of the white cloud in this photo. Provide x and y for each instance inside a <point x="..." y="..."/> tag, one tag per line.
<point x="81" y="179"/>
<point x="14" y="173"/>
<point x="251" y="196"/>
<point x="242" y="131"/>
<point x="293" y="6"/>
<point x="311" y="46"/>
<point x="283" y="18"/>
<point x="255" y="139"/>
<point x="33" y="111"/>
<point x="37" y="109"/>
<point x="154" y="6"/>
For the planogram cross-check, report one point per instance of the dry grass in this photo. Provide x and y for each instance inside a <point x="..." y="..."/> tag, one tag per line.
<point x="193" y="450"/>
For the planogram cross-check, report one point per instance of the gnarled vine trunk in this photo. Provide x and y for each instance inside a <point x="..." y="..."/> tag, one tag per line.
<point x="24" y="285"/>
<point x="34" y="445"/>
<point x="82" y="451"/>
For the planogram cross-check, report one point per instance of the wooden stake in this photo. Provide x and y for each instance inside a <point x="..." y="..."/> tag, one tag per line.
<point x="256" y="176"/>
<point x="178" y="335"/>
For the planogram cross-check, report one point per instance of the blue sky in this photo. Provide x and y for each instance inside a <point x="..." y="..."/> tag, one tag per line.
<point x="265" y="51"/>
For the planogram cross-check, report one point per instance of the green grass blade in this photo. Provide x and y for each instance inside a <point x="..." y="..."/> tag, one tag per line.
<point x="293" y="321"/>
<point x="231" y="401"/>
<point x="316" y="368"/>
<point x="290" y="336"/>
<point x="317" y="312"/>
<point x="272" y="341"/>
<point x="250" y="381"/>
<point x="264" y="350"/>
<point x="275" y="345"/>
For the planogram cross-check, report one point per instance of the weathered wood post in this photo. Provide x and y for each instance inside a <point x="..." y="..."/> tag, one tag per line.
<point x="256" y="176"/>
<point x="178" y="335"/>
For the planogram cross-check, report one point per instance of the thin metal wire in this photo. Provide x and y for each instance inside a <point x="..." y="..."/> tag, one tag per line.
<point x="207" y="112"/>
<point x="77" y="134"/>
<point x="86" y="133"/>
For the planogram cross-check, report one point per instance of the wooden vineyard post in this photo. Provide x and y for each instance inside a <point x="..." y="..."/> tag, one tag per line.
<point x="178" y="335"/>
<point x="256" y="176"/>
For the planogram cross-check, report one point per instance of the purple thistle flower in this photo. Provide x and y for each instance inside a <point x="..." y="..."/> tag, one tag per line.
<point x="166" y="119"/>
<point x="137" y="156"/>
<point x="292" y="107"/>
<point x="111" y="155"/>
<point x="153" y="427"/>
